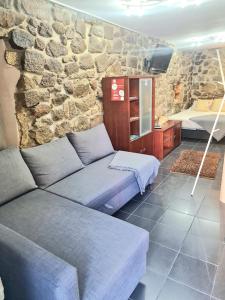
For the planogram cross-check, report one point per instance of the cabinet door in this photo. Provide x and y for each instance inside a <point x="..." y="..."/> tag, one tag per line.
<point x="145" y="102"/>
<point x="177" y="135"/>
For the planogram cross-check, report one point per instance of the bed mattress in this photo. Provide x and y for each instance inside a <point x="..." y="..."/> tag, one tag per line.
<point x="186" y="115"/>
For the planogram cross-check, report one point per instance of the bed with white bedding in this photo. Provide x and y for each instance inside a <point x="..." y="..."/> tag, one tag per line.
<point x="188" y="124"/>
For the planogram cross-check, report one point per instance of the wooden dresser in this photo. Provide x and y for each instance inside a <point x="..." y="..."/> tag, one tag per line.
<point x="166" y="138"/>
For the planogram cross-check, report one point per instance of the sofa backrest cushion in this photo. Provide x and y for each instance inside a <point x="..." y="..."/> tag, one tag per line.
<point x="15" y="176"/>
<point x="92" y="144"/>
<point x="52" y="162"/>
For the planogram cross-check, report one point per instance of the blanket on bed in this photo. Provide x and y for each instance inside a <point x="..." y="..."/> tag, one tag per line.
<point x="144" y="167"/>
<point x="207" y="122"/>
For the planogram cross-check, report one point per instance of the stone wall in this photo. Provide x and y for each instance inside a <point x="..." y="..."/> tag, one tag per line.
<point x="206" y="74"/>
<point x="62" y="57"/>
<point x="198" y="74"/>
<point x="173" y="89"/>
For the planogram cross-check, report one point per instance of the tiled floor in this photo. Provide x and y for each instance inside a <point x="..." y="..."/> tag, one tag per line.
<point x="186" y="258"/>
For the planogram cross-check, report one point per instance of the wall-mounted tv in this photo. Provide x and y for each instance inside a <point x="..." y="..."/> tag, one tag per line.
<point x="160" y="60"/>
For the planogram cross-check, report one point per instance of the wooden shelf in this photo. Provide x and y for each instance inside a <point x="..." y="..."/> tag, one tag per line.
<point x="134" y="119"/>
<point x="134" y="138"/>
<point x="131" y="99"/>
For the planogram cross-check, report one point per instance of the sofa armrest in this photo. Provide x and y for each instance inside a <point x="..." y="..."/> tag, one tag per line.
<point x="30" y="272"/>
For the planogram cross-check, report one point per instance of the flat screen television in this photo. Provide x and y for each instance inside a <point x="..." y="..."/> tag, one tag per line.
<point x="160" y="60"/>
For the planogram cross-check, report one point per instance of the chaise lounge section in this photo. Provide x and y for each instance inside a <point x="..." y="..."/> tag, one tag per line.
<point x="108" y="254"/>
<point x="54" y="243"/>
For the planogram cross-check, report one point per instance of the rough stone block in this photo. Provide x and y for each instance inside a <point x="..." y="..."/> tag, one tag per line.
<point x="108" y="32"/>
<point x="102" y="62"/>
<point x="53" y="65"/>
<point x="132" y="61"/>
<point x="41" y="110"/>
<point x="86" y="61"/>
<point x="6" y="3"/>
<point x="56" y="49"/>
<point x="57" y="114"/>
<point x="61" y="15"/>
<point x="36" y="8"/>
<point x="48" y="80"/>
<point x="70" y="109"/>
<point x="71" y="68"/>
<point x="39" y="44"/>
<point x="96" y="45"/>
<point x="78" y="44"/>
<point x="45" y="30"/>
<point x="34" y="61"/>
<point x="26" y="83"/>
<point x="7" y="18"/>
<point x="81" y="27"/>
<point x="33" y="97"/>
<point x="22" y="38"/>
<point x="97" y="30"/>
<point x="62" y="129"/>
<point x="13" y="58"/>
<point x="43" y="134"/>
<point x="68" y="86"/>
<point x="81" y="88"/>
<point x="117" y="46"/>
<point x="59" y="98"/>
<point x="59" y="27"/>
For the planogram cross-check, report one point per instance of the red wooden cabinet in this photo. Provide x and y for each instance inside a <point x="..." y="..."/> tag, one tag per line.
<point x="129" y="104"/>
<point x="166" y="138"/>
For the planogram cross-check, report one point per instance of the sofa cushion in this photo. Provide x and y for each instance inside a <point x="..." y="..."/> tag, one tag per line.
<point x="94" y="185"/>
<point x="15" y="177"/>
<point x="91" y="144"/>
<point x="52" y="162"/>
<point x="108" y="253"/>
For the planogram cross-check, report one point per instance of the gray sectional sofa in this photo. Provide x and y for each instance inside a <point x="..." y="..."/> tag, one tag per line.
<point x="55" y="242"/>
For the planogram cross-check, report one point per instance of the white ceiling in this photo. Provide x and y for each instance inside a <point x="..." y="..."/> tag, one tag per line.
<point x="170" y="23"/>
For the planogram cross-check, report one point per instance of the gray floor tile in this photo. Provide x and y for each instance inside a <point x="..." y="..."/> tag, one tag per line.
<point x="219" y="287"/>
<point x="161" y="200"/>
<point x="184" y="192"/>
<point x="121" y="215"/>
<point x="164" y="171"/>
<point x="209" y="213"/>
<point x="141" y="222"/>
<point x="131" y="206"/>
<point x="187" y="206"/>
<point x="153" y="212"/>
<point x="167" y="213"/>
<point x="212" y="198"/>
<point x="208" y="229"/>
<point x="149" y="287"/>
<point x="175" y="291"/>
<point x="203" y="248"/>
<point x="194" y="273"/>
<point x="211" y="208"/>
<point x="160" y="259"/>
<point x="168" y="236"/>
<point x="177" y="220"/>
<point x="158" y="181"/>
